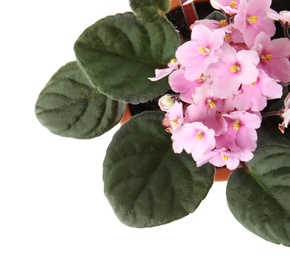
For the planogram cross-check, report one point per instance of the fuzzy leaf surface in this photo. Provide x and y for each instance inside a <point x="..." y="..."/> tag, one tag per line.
<point x="70" y="106"/>
<point x="146" y="183"/>
<point x="149" y="10"/>
<point x="259" y="199"/>
<point x="118" y="53"/>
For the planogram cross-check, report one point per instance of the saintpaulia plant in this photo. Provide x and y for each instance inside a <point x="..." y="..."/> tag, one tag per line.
<point x="225" y="75"/>
<point x="223" y="102"/>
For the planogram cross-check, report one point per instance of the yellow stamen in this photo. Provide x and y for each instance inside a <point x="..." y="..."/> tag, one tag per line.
<point x="211" y="103"/>
<point x="235" y="68"/>
<point x="227" y="37"/>
<point x="203" y="50"/>
<point x="252" y="19"/>
<point x="236" y="124"/>
<point x="225" y="157"/>
<point x="175" y="122"/>
<point x="253" y="84"/>
<point x="233" y="4"/>
<point x="199" y="135"/>
<point x="266" y="57"/>
<point x="201" y="78"/>
<point x="223" y="23"/>
<point x="173" y="60"/>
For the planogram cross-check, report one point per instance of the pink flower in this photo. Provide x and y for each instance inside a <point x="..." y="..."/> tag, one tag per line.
<point x="274" y="56"/>
<point x="241" y="134"/>
<point x="228" y="6"/>
<point x="207" y="108"/>
<point x="203" y="49"/>
<point x="254" y="96"/>
<point x="195" y="138"/>
<point x="251" y="19"/>
<point x="233" y="69"/>
<point x="186" y="88"/>
<point x="282" y="16"/>
<point x="285" y="114"/>
<point x="224" y="157"/>
<point x="161" y="73"/>
<point x="174" y="117"/>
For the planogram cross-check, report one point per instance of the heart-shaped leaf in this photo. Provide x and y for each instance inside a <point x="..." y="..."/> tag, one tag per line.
<point x="260" y="199"/>
<point x="119" y="53"/>
<point x="146" y="183"/>
<point x="70" y="106"/>
<point x="149" y="10"/>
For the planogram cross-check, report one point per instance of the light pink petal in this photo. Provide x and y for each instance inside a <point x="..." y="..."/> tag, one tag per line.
<point x="180" y="84"/>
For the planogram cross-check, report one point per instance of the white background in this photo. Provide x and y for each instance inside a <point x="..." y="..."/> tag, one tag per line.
<point x="51" y="192"/>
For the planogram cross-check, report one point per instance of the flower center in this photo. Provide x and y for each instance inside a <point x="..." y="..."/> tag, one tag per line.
<point x="211" y="103"/>
<point x="175" y="122"/>
<point x="225" y="157"/>
<point x="266" y="57"/>
<point x="173" y="60"/>
<point x="233" y="4"/>
<point x="236" y="124"/>
<point x="223" y="23"/>
<point x="204" y="50"/>
<point x="227" y="37"/>
<point x="252" y="19"/>
<point x="201" y="78"/>
<point x="199" y="135"/>
<point x="235" y="68"/>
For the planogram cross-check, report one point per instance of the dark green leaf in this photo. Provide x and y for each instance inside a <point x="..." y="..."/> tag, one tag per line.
<point x="149" y="10"/>
<point x="216" y="15"/>
<point x="119" y="53"/>
<point x="146" y="183"/>
<point x="69" y="106"/>
<point x="260" y="199"/>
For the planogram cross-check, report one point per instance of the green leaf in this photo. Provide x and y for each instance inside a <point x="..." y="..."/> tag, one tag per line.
<point x="146" y="183"/>
<point x="119" y="53"/>
<point x="69" y="106"/>
<point x="259" y="199"/>
<point x="216" y="15"/>
<point x="149" y="10"/>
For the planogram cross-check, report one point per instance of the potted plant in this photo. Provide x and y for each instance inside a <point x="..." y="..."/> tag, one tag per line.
<point x="220" y="98"/>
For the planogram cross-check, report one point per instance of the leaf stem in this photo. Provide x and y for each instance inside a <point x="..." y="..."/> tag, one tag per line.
<point x="189" y="12"/>
<point x="272" y="113"/>
<point x="286" y="30"/>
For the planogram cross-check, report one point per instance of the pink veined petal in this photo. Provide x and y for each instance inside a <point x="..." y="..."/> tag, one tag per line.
<point x="248" y="61"/>
<point x="269" y="87"/>
<point x="250" y="97"/>
<point x="180" y="84"/>
<point x="161" y="73"/>
<point x="187" y="52"/>
<point x="280" y="47"/>
<point x="247" y="139"/>
<point x="272" y="14"/>
<point x="258" y="7"/>
<point x="195" y="138"/>
<point x="201" y="34"/>
<point x="279" y="69"/>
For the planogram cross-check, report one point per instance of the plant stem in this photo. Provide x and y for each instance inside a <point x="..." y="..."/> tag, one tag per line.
<point x="286" y="30"/>
<point x="189" y="12"/>
<point x="272" y="113"/>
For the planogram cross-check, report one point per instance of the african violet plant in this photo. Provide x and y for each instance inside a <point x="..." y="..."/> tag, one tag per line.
<point x="223" y="102"/>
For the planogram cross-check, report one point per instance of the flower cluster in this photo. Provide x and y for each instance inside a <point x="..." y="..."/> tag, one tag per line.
<point x="223" y="78"/>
